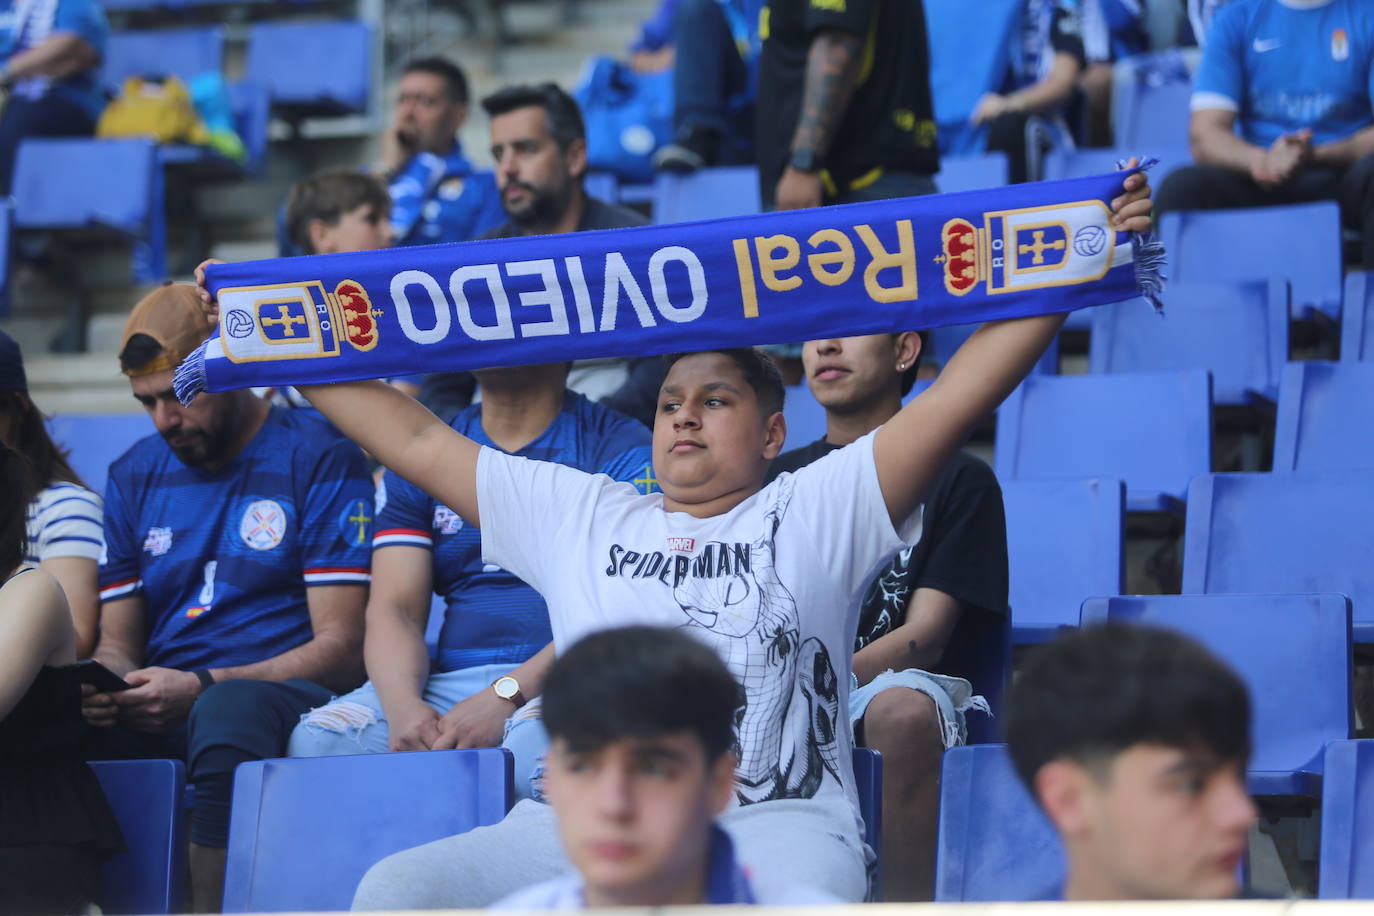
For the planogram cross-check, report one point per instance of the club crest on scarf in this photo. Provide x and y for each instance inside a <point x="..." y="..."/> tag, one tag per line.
<point x="1027" y="249"/>
<point x="297" y="320"/>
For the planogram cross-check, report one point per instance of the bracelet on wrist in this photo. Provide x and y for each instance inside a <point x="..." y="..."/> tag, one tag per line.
<point x="207" y="680"/>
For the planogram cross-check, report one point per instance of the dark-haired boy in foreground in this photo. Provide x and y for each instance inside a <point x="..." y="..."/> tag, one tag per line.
<point x="1134" y="741"/>
<point x="770" y="576"/>
<point x="642" y="759"/>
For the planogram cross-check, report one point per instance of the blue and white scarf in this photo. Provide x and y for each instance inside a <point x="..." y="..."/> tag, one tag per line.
<point x="867" y="268"/>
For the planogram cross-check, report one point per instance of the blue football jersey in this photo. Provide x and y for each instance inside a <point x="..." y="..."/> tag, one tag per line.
<point x="223" y="560"/>
<point x="490" y="616"/>
<point x="1282" y="69"/>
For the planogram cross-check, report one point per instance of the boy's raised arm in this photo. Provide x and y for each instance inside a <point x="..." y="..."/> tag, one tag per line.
<point x="912" y="447"/>
<point x="396" y="430"/>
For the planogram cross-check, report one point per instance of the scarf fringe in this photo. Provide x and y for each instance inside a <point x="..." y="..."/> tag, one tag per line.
<point x="190" y="379"/>
<point x="1148" y="253"/>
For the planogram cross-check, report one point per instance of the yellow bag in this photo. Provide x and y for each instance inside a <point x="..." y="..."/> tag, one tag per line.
<point x="160" y="109"/>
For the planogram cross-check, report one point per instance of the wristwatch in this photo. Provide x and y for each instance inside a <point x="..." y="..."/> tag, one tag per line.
<point x="508" y="688"/>
<point x="805" y="160"/>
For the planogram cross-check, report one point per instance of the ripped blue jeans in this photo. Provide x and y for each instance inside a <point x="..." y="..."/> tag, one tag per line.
<point x="355" y="723"/>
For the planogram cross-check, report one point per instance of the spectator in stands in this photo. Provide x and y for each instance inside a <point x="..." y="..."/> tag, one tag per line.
<point x="642" y="760"/>
<point x="770" y="577"/>
<point x="234" y="579"/>
<point x="339" y="210"/>
<point x="1112" y="30"/>
<point x="1046" y="63"/>
<point x="64" y="519"/>
<point x="489" y="663"/>
<point x="1134" y="741"/>
<point x="717" y="45"/>
<point x="55" y="825"/>
<point x="944" y="591"/>
<point x="436" y="194"/>
<point x="844" y="110"/>
<point x="49" y="73"/>
<point x="1298" y="81"/>
<point x="1200" y="16"/>
<point x="539" y="142"/>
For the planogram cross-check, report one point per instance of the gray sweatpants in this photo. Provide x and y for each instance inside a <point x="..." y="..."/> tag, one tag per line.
<point x="792" y="842"/>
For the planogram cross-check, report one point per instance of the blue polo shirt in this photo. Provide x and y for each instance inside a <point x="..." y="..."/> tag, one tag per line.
<point x="223" y="560"/>
<point x="26" y="25"/>
<point x="1282" y="68"/>
<point x="491" y="617"/>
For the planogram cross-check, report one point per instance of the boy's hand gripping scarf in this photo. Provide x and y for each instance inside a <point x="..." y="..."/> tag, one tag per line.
<point x="882" y="267"/>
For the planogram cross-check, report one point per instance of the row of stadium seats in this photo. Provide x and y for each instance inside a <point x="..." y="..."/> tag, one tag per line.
<point x="995" y="843"/>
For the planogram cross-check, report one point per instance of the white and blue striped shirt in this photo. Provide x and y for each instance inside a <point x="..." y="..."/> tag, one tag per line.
<point x="65" y="521"/>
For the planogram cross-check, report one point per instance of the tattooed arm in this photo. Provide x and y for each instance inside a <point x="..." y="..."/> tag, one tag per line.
<point x="832" y="69"/>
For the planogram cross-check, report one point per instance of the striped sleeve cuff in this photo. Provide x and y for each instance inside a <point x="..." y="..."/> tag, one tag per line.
<point x="338" y="575"/>
<point x="409" y="537"/>
<point x="121" y="589"/>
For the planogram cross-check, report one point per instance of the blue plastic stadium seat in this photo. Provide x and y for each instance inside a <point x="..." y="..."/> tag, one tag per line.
<point x="185" y="53"/>
<point x="1347" y="843"/>
<point x="1299" y="242"/>
<point x="604" y="186"/>
<point x="994" y="843"/>
<point x="1064" y="544"/>
<point x="1324" y="413"/>
<point x="1076" y="163"/>
<point x="967" y="60"/>
<point x="303" y="832"/>
<point x="313" y="69"/>
<point x="1152" y="114"/>
<point x="1357" y="320"/>
<point x="1238" y="331"/>
<point x="973" y="172"/>
<point x="868" y="784"/>
<point x="1151" y="429"/>
<point x="1273" y="642"/>
<point x="146" y="797"/>
<point x="109" y="186"/>
<point x="707" y="194"/>
<point x="980" y="653"/>
<point x="6" y="233"/>
<point x="942" y="342"/>
<point x="805" y="417"/>
<point x="1303" y="532"/>
<point x="95" y="440"/>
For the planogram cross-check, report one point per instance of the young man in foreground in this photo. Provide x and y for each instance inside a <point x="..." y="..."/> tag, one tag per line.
<point x="1134" y="741"/>
<point x="770" y="577"/>
<point x="641" y="721"/>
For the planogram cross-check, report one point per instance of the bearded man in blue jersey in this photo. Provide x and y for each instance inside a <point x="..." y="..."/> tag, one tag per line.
<point x="236" y="570"/>
<point x="1283" y="112"/>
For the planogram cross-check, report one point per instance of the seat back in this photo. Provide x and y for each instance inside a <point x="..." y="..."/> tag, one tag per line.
<point x="1347" y="843"/>
<point x="868" y="783"/>
<point x="77" y="184"/>
<point x="1357" y="322"/>
<point x="1064" y="544"/>
<point x="1326" y="417"/>
<point x="967" y="63"/>
<point x="994" y="842"/>
<point x="302" y="832"/>
<point x="706" y="194"/>
<point x="96" y="440"/>
<point x="313" y="68"/>
<point x="805" y="417"/>
<point x="1272" y="642"/>
<point x="1303" y="532"/>
<point x="1237" y="331"/>
<point x="1298" y="242"/>
<point x="604" y="186"/>
<point x="972" y="172"/>
<point x="146" y="796"/>
<point x="1151" y="429"/>
<point x="1076" y="163"/>
<point x="980" y="653"/>
<point x="166" y="52"/>
<point x="1152" y="113"/>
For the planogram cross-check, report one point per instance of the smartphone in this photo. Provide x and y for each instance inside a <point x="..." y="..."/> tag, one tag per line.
<point x="90" y="671"/>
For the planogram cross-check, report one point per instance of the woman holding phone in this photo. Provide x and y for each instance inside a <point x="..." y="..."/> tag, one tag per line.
<point x="55" y="825"/>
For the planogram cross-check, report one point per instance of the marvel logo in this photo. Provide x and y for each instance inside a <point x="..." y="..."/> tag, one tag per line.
<point x="682" y="545"/>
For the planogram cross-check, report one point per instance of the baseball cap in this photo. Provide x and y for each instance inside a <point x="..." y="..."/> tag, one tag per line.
<point x="12" y="376"/>
<point x="171" y="315"/>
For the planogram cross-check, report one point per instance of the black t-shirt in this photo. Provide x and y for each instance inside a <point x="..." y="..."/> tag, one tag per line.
<point x="597" y="214"/>
<point x="889" y="122"/>
<point x="962" y="551"/>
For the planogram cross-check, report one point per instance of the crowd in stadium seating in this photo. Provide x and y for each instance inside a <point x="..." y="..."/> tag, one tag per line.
<point x="262" y="596"/>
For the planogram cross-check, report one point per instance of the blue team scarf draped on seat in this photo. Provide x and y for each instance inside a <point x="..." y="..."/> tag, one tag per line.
<point x="867" y="268"/>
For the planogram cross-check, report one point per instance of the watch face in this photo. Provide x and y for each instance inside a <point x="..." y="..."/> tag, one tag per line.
<point x="506" y="687"/>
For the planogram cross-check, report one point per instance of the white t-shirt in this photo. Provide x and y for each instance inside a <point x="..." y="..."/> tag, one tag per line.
<point x="565" y="893"/>
<point x="773" y="586"/>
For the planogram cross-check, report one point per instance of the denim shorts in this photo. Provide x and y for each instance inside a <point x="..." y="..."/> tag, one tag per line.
<point x="953" y="696"/>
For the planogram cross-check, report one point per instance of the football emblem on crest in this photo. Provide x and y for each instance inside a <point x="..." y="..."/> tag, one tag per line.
<point x="263" y="525"/>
